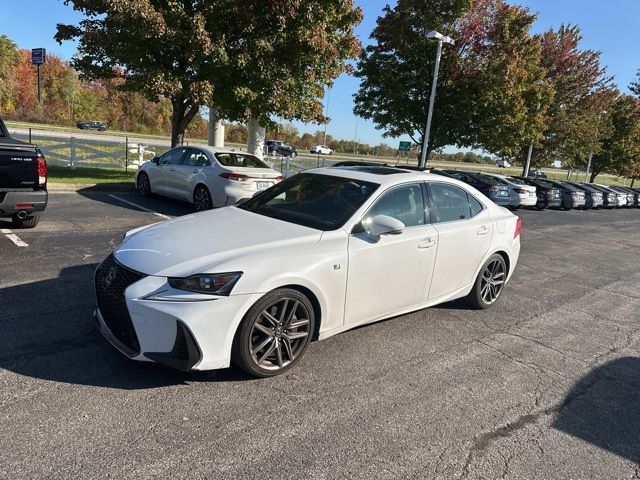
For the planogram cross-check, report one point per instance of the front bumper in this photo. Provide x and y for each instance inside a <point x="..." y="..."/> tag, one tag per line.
<point x="186" y="335"/>
<point x="9" y="200"/>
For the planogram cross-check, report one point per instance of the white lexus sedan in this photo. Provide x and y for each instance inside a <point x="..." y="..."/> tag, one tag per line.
<point x="322" y="252"/>
<point x="207" y="177"/>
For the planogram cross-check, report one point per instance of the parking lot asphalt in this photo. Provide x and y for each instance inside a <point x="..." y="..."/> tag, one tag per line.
<point x="544" y="385"/>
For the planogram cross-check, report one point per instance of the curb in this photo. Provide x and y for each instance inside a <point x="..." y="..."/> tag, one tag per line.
<point x="88" y="187"/>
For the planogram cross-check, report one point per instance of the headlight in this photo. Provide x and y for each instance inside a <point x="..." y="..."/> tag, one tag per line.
<point x="209" y="283"/>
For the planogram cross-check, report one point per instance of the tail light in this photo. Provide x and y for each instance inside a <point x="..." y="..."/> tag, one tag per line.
<point x="574" y="193"/>
<point x="279" y="178"/>
<point x="518" y="228"/>
<point x="42" y="170"/>
<point x="494" y="189"/>
<point x="521" y="190"/>
<point x="234" y="177"/>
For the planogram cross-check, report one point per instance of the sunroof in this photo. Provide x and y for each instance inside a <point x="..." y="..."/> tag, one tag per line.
<point x="376" y="170"/>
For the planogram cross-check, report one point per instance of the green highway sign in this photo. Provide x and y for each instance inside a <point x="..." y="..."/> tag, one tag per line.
<point x="405" y="147"/>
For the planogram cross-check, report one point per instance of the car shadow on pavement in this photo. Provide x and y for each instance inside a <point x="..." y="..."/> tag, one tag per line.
<point x="130" y="200"/>
<point x="603" y="408"/>
<point x="48" y="332"/>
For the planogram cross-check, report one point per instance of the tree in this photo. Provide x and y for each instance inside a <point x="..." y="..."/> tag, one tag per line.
<point x="620" y="152"/>
<point x="583" y="93"/>
<point x="163" y="48"/>
<point x="249" y="59"/>
<point x="9" y="57"/>
<point x="489" y="81"/>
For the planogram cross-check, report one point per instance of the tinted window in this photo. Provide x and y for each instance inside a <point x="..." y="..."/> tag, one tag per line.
<point x="450" y="203"/>
<point x="196" y="158"/>
<point x="489" y="180"/>
<point x="476" y="206"/>
<point x="324" y="202"/>
<point x="173" y="157"/>
<point x="240" y="160"/>
<point x="403" y="203"/>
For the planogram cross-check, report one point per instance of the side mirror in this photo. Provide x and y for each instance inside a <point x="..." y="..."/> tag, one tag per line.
<point x="156" y="160"/>
<point x="383" y="225"/>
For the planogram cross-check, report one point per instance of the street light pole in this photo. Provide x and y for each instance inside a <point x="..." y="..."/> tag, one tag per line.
<point x="427" y="131"/>
<point x="527" y="165"/>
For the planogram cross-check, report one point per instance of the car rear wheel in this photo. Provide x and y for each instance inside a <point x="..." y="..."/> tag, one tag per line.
<point x="29" y="222"/>
<point x="489" y="284"/>
<point x="143" y="185"/>
<point x="274" y="334"/>
<point x="202" y="199"/>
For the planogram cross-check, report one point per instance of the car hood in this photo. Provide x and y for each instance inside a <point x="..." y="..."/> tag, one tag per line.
<point x="198" y="242"/>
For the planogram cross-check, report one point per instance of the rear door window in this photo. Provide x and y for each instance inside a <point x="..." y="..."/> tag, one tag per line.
<point x="451" y="203"/>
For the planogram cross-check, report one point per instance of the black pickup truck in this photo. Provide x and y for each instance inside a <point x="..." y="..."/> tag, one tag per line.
<point x="23" y="181"/>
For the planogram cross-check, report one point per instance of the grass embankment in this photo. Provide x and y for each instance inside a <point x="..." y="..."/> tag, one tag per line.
<point x="90" y="176"/>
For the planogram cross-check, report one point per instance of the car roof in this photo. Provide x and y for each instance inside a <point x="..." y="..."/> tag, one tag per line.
<point x="384" y="176"/>
<point x="213" y="150"/>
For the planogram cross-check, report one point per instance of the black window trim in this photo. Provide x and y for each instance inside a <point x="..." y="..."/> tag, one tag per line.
<point x="358" y="228"/>
<point x="432" y="205"/>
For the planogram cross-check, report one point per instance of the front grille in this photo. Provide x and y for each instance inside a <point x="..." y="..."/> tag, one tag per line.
<point x="112" y="279"/>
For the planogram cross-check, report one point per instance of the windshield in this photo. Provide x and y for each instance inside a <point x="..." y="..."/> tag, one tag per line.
<point x="240" y="160"/>
<point x="323" y="202"/>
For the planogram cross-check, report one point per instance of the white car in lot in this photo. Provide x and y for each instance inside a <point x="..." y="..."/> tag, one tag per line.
<point x="207" y="177"/>
<point x="322" y="252"/>
<point x="522" y="195"/>
<point x="321" y="150"/>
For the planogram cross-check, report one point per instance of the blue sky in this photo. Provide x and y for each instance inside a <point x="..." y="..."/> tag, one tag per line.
<point x="608" y="26"/>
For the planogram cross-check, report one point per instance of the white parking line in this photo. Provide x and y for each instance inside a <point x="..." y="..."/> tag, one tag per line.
<point x="161" y="215"/>
<point x="14" y="238"/>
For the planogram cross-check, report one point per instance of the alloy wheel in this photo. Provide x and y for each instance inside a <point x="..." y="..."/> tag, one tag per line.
<point x="279" y="334"/>
<point x="492" y="281"/>
<point x="144" y="187"/>
<point x="202" y="200"/>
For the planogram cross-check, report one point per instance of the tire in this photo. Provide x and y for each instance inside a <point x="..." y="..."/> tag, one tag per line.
<point x="143" y="184"/>
<point x="483" y="295"/>
<point x="265" y="345"/>
<point x="202" y="199"/>
<point x="30" y="222"/>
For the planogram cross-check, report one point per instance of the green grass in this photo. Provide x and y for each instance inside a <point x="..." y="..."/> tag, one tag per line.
<point x="90" y="176"/>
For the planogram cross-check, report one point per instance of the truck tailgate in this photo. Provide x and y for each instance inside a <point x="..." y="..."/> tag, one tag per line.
<point x="18" y="165"/>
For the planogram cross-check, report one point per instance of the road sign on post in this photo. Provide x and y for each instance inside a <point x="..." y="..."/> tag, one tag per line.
<point x="38" y="57"/>
<point x="404" y="147"/>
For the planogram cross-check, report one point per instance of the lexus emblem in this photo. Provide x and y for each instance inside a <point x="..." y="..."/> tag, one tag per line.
<point x="109" y="278"/>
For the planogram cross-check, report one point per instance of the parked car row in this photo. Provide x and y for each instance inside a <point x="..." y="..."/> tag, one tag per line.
<point x="516" y="192"/>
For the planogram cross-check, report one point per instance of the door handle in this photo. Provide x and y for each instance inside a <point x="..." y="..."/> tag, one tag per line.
<point x="196" y="171"/>
<point x="172" y="169"/>
<point x="483" y="230"/>
<point x="426" y="243"/>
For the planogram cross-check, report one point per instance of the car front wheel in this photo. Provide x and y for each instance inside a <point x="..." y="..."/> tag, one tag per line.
<point x="143" y="184"/>
<point x="489" y="283"/>
<point x="274" y="334"/>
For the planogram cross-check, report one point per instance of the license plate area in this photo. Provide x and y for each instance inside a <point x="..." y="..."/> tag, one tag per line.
<point x="263" y="185"/>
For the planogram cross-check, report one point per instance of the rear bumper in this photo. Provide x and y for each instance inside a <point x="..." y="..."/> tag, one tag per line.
<point x="9" y="202"/>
